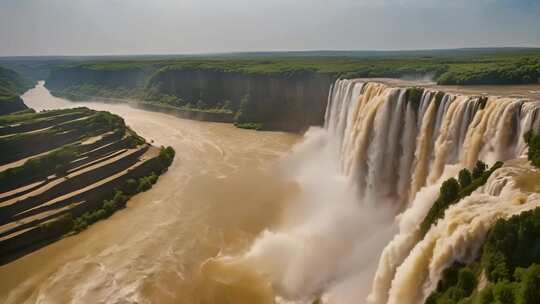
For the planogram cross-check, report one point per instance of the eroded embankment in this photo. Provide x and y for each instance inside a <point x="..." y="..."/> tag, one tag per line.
<point x="62" y="170"/>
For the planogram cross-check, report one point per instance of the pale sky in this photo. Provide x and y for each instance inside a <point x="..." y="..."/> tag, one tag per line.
<point x="93" y="27"/>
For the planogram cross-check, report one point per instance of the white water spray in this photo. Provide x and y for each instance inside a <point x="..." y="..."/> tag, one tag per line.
<point x="381" y="152"/>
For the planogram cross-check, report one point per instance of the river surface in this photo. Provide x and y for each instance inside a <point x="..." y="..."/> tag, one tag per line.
<point x="221" y="191"/>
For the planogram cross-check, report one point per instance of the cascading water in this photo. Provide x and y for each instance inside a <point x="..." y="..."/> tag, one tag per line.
<point x="384" y="151"/>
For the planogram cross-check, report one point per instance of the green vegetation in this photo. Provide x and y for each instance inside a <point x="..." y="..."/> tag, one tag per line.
<point x="11" y="86"/>
<point x="510" y="261"/>
<point x="17" y="146"/>
<point x="249" y="125"/>
<point x="533" y="141"/>
<point x="166" y="157"/>
<point x="511" y="244"/>
<point x="451" y="67"/>
<point x="116" y="201"/>
<point x="517" y="71"/>
<point x="224" y="84"/>
<point x="30" y="115"/>
<point x="109" y="207"/>
<point x="11" y="83"/>
<point x="245" y="111"/>
<point x="39" y="167"/>
<point x="452" y="191"/>
<point x="414" y="96"/>
<point x="139" y="95"/>
<point x="458" y="282"/>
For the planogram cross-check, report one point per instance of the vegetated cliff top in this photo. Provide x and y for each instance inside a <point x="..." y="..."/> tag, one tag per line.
<point x="11" y="84"/>
<point x="474" y="66"/>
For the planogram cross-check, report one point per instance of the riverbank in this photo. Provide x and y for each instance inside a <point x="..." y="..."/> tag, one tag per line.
<point x="63" y="170"/>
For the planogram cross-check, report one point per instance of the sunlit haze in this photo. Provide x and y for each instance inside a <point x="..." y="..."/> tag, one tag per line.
<point x="66" y="27"/>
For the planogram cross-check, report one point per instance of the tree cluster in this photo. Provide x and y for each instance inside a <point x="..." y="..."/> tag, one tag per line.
<point x="452" y="191"/>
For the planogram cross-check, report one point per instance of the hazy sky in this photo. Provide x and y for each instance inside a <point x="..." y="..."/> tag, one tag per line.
<point x="69" y="27"/>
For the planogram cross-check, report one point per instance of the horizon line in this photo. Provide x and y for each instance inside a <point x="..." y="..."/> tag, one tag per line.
<point x="224" y="53"/>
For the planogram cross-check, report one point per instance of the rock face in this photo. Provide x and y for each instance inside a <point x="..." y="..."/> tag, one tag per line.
<point x="285" y="103"/>
<point x="290" y="102"/>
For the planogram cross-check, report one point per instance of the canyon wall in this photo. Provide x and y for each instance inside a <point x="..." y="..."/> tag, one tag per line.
<point x="286" y="103"/>
<point x="291" y="102"/>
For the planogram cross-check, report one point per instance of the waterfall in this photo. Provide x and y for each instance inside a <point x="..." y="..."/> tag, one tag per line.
<point x="458" y="236"/>
<point x="368" y="179"/>
<point x="386" y="141"/>
<point x="394" y="151"/>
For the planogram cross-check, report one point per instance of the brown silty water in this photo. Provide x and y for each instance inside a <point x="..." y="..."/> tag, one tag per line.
<point x="225" y="188"/>
<point x="220" y="192"/>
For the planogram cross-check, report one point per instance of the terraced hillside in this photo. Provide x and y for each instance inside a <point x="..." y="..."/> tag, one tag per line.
<point x="63" y="170"/>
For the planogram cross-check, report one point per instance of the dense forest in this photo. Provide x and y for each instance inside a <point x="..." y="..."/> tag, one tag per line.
<point x="510" y="257"/>
<point x="480" y="67"/>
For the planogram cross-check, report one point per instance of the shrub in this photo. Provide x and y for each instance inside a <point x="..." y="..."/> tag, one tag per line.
<point x="152" y="178"/>
<point x="504" y="293"/>
<point x="452" y="191"/>
<point x="119" y="198"/>
<point x="457" y="283"/>
<point x="449" y="190"/>
<point x="166" y="157"/>
<point x="144" y="185"/>
<point x="510" y="260"/>
<point x="131" y="186"/>
<point x="414" y="96"/>
<point x="245" y="110"/>
<point x="511" y="244"/>
<point x="479" y="169"/>
<point x="110" y="207"/>
<point x="533" y="141"/>
<point x="530" y="286"/>
<point x="63" y="222"/>
<point x="249" y="125"/>
<point x="465" y="178"/>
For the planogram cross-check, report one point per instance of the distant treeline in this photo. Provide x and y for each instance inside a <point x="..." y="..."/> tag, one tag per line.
<point x="489" y="66"/>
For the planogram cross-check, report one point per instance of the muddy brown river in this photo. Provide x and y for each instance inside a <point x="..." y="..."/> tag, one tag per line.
<point x="221" y="191"/>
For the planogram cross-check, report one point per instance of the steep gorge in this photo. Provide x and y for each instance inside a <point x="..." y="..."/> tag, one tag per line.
<point x="367" y="180"/>
<point x="291" y="102"/>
